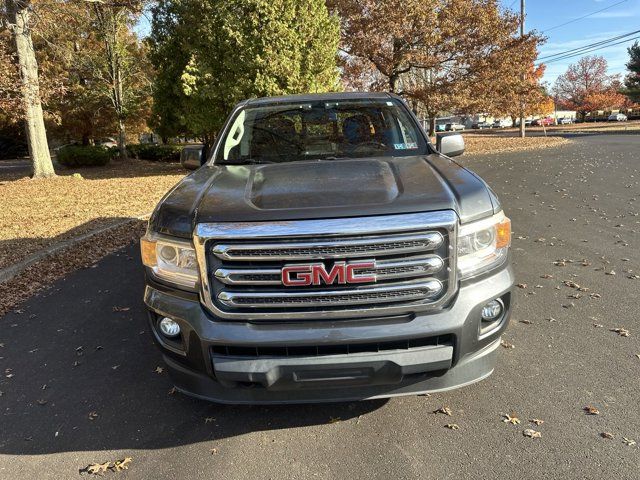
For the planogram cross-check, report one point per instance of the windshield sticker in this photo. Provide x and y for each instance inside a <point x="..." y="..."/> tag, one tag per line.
<point x="405" y="146"/>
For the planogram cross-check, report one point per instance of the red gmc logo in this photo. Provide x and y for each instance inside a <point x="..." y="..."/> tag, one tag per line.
<point x="317" y="274"/>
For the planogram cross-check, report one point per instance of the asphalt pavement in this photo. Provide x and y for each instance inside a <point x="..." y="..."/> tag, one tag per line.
<point x="80" y="380"/>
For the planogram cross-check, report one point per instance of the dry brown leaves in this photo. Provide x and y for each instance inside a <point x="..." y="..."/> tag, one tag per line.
<point x="511" y="418"/>
<point x="101" y="468"/>
<point x="487" y="143"/>
<point x="623" y="332"/>
<point x="444" y="410"/>
<point x="529" y="432"/>
<point x="591" y="410"/>
<point x="38" y="213"/>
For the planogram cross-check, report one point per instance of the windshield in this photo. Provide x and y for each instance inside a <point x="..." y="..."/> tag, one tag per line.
<point x="320" y="130"/>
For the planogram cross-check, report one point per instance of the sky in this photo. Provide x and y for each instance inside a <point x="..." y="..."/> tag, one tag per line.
<point x="613" y="18"/>
<point x="620" y="17"/>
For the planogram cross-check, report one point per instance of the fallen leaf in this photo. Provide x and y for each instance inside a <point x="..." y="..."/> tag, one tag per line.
<point x="521" y="285"/>
<point x="506" y="344"/>
<point x="214" y="451"/>
<point x="536" y="421"/>
<point x="121" y="309"/>
<point x="591" y="410"/>
<point x="526" y="322"/>
<point x="628" y="441"/>
<point x="510" y="418"/>
<point x="610" y="272"/>
<point x="334" y="419"/>
<point x="42" y="402"/>
<point x="97" y="468"/>
<point x="122" y="464"/>
<point x="159" y="370"/>
<point x="529" y="432"/>
<point x="452" y="426"/>
<point x="172" y="391"/>
<point x="623" y="332"/>
<point x="607" y="435"/>
<point x="444" y="410"/>
<point x="598" y="325"/>
<point x="93" y="415"/>
<point x="209" y="420"/>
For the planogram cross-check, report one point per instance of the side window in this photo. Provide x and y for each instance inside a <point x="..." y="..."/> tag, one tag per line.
<point x="234" y="137"/>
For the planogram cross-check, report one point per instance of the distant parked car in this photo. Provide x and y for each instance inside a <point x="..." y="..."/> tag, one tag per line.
<point x="543" y="121"/>
<point x="617" y="117"/>
<point x="480" y="125"/>
<point x="453" y="127"/>
<point x="441" y="127"/>
<point x="565" y="121"/>
<point x="502" y="124"/>
<point x="107" y="142"/>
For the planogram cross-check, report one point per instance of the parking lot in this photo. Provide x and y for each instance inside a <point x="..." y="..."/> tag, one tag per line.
<point x="82" y="382"/>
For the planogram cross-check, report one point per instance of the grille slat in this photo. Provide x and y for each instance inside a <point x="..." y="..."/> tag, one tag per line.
<point x="323" y="249"/>
<point x="385" y="270"/>
<point x="313" y="298"/>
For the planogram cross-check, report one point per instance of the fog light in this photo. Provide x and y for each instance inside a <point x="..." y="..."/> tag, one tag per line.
<point x="492" y="311"/>
<point x="169" y="327"/>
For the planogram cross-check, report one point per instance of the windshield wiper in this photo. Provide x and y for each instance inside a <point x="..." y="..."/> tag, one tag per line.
<point x="249" y="161"/>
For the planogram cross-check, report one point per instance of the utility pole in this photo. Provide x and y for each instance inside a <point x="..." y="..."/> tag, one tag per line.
<point x="522" y="126"/>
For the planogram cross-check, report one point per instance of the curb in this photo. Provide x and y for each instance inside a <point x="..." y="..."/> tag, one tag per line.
<point x="12" y="271"/>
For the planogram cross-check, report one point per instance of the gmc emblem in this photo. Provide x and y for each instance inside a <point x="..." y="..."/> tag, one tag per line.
<point x="317" y="274"/>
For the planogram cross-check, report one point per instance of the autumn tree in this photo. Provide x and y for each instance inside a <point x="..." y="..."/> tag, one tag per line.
<point x="504" y="98"/>
<point x="586" y="86"/>
<point x="18" y="20"/>
<point x="121" y="67"/>
<point x="445" y="54"/>
<point x="210" y="54"/>
<point x="632" y="80"/>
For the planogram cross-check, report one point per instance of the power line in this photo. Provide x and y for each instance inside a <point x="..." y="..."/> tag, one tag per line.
<point x="584" y="16"/>
<point x="592" y="50"/>
<point x="578" y="50"/>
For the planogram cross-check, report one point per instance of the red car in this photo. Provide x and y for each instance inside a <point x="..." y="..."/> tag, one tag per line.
<point x="544" y="121"/>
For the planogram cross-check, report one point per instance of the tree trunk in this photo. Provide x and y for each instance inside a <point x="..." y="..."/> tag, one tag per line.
<point x="34" y="122"/>
<point x="122" y="140"/>
<point x="393" y="80"/>
<point x="432" y="125"/>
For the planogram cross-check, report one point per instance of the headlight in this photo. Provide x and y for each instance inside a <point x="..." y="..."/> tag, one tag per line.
<point x="483" y="245"/>
<point x="172" y="261"/>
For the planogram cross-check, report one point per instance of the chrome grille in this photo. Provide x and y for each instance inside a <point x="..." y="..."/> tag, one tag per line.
<point x="413" y="260"/>
<point x="321" y="249"/>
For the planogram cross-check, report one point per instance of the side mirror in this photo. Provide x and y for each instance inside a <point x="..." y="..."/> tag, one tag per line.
<point x="191" y="157"/>
<point x="450" y="144"/>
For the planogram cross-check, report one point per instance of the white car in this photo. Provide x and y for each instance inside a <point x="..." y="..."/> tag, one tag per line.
<point x="453" y="127"/>
<point x="565" y="121"/>
<point x="617" y="117"/>
<point x="502" y="124"/>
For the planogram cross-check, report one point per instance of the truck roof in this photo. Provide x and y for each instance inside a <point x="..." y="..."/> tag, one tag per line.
<point x="310" y="97"/>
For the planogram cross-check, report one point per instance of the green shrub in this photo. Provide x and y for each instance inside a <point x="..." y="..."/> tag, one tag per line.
<point x="84" y="156"/>
<point x="155" y="153"/>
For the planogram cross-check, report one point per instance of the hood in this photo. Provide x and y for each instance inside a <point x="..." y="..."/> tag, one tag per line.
<point x="321" y="189"/>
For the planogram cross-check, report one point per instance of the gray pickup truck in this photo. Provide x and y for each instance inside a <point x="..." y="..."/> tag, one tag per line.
<point x="326" y="251"/>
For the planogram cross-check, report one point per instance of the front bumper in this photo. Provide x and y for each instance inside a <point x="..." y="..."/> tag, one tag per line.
<point x="461" y="354"/>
